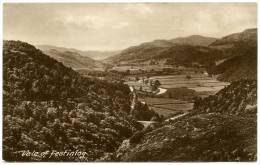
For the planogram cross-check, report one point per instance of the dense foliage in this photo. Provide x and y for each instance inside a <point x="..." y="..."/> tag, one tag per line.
<point x="142" y="112"/>
<point x="244" y="56"/>
<point x="186" y="55"/>
<point x="48" y="106"/>
<point x="241" y="50"/>
<point x="239" y="98"/>
<point x="204" y="137"/>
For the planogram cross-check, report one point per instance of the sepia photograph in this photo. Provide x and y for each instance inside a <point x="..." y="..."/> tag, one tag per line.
<point x="129" y="82"/>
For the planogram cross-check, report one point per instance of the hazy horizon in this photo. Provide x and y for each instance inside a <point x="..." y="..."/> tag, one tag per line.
<point x="116" y="26"/>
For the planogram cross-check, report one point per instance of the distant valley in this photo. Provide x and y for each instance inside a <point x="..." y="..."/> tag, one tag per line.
<point x="217" y="56"/>
<point x="164" y="100"/>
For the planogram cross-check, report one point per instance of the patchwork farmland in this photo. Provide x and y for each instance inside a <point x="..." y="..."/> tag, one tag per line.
<point x="179" y="91"/>
<point x="168" y="107"/>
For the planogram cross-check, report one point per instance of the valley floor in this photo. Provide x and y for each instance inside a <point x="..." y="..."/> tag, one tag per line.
<point x="176" y="92"/>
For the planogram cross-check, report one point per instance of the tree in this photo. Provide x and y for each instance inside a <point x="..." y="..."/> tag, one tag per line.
<point x="141" y="88"/>
<point x="157" y="83"/>
<point x="188" y="77"/>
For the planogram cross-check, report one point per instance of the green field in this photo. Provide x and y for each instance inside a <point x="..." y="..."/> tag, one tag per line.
<point x="180" y="91"/>
<point x="197" y="82"/>
<point x="167" y="107"/>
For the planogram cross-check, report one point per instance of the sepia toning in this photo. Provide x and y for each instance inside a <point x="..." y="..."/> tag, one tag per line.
<point x="130" y="82"/>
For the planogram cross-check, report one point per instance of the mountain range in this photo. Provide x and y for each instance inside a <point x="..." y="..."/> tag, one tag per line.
<point x="219" y="56"/>
<point x="148" y="50"/>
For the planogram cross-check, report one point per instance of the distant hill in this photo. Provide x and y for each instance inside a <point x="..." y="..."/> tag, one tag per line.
<point x="148" y="50"/>
<point x="241" y="50"/>
<point x="156" y="43"/>
<point x="73" y="59"/>
<point x="196" y="40"/>
<point x="183" y="55"/>
<point x="222" y="127"/>
<point x="96" y="55"/>
<point x="248" y="37"/>
<point x="232" y="57"/>
<point x="238" y="67"/>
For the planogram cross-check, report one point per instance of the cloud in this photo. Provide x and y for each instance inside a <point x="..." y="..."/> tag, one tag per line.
<point x="139" y="9"/>
<point x="117" y="26"/>
<point x="121" y="25"/>
<point x="92" y="22"/>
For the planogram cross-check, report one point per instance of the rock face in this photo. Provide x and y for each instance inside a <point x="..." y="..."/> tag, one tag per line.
<point x="214" y="131"/>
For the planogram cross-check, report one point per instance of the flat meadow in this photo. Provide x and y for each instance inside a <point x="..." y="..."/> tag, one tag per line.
<point x="180" y="91"/>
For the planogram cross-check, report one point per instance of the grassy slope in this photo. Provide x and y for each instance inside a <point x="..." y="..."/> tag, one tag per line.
<point x="216" y="130"/>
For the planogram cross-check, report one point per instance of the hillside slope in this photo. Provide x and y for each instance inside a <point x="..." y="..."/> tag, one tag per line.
<point x="74" y="59"/>
<point x="195" y="40"/>
<point x="221" y="128"/>
<point x="96" y="55"/>
<point x="183" y="55"/>
<point x="241" y="50"/>
<point x="156" y="48"/>
<point x="220" y="56"/>
<point x="238" y="67"/>
<point x="50" y="107"/>
<point x="248" y="36"/>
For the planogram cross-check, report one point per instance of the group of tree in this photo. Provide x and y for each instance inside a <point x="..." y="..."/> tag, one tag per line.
<point x="48" y="106"/>
<point x="239" y="98"/>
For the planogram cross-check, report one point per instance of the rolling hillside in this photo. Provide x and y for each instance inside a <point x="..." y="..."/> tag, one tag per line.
<point x="48" y="106"/>
<point x="221" y="128"/>
<point x="156" y="48"/>
<point x="220" y="57"/>
<point x="183" y="55"/>
<point x="241" y="49"/>
<point x="248" y="36"/>
<point x="74" y="59"/>
<point x="96" y="55"/>
<point x="195" y="40"/>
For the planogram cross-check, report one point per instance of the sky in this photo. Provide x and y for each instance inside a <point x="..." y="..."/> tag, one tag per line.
<point x="116" y="26"/>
